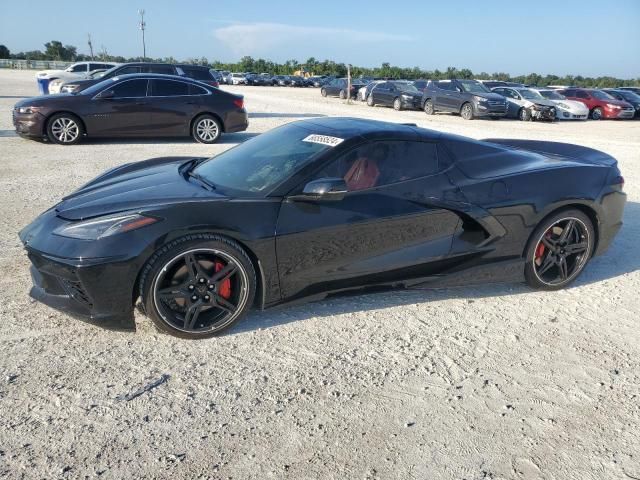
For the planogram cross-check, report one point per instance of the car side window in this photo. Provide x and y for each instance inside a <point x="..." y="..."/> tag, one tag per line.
<point x="380" y="163"/>
<point x="196" y="90"/>
<point x="168" y="88"/>
<point x="581" y="94"/>
<point x="79" y="68"/>
<point x="128" y="70"/>
<point x="569" y="93"/>
<point x="130" y="89"/>
<point x="445" y="86"/>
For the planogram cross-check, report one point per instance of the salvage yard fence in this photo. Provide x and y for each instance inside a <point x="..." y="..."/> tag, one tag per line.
<point x="34" y="64"/>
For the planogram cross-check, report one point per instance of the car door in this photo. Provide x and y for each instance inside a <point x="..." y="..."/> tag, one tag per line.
<point x="392" y="228"/>
<point x="381" y="93"/>
<point x="444" y="94"/>
<point x="173" y="105"/>
<point x="513" y="102"/>
<point x="120" y="109"/>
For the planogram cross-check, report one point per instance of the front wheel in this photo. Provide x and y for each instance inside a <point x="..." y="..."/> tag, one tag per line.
<point x="428" y="107"/>
<point x="524" y="114"/>
<point x="198" y="285"/>
<point x="64" y="129"/>
<point x="206" y="129"/>
<point x="397" y="104"/>
<point x="342" y="94"/>
<point x="559" y="249"/>
<point x="370" y="101"/>
<point x="596" y="113"/>
<point x="466" y="111"/>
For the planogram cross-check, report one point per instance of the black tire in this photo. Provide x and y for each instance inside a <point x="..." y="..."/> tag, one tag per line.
<point x="64" y="129"/>
<point x="547" y="251"/>
<point x="524" y="114"/>
<point x="466" y="111"/>
<point x="323" y="92"/>
<point x="206" y="129"/>
<point x="428" y="107"/>
<point x="370" y="101"/>
<point x="198" y="305"/>
<point x="342" y="95"/>
<point x="596" y="113"/>
<point x="397" y="104"/>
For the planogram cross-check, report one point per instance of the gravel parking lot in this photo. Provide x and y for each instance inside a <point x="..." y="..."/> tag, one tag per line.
<point x="483" y="382"/>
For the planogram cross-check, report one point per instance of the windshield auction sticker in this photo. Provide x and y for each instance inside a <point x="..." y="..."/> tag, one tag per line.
<point x="324" y="140"/>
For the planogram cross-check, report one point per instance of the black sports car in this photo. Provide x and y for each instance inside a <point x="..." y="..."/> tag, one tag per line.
<point x="317" y="207"/>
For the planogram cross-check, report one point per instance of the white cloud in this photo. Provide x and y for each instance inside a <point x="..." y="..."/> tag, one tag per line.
<point x="263" y="38"/>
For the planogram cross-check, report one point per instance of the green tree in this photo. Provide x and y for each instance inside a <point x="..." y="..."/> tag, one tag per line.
<point x="4" y="52"/>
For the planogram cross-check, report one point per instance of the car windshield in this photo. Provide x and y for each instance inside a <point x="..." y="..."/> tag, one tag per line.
<point x="551" y="95"/>
<point x="97" y="74"/>
<point x="600" y="95"/>
<point x="529" y="94"/>
<point x="629" y="95"/>
<point x="407" y="88"/>
<point x="256" y="167"/>
<point x="471" y="86"/>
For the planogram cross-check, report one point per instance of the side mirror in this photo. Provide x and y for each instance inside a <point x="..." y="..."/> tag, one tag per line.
<point x="107" y="94"/>
<point x="458" y="89"/>
<point x="322" y="189"/>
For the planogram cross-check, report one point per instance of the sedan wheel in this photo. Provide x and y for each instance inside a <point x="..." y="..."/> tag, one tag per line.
<point x="198" y="286"/>
<point x="524" y="114"/>
<point x="428" y="107"/>
<point x="64" y="129"/>
<point x="323" y="92"/>
<point x="397" y="104"/>
<point x="370" y="100"/>
<point x="561" y="249"/>
<point x="206" y="129"/>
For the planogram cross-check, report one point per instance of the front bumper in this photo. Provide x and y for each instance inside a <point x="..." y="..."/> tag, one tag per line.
<point x="544" y="113"/>
<point x="412" y="103"/>
<point x="567" y="115"/>
<point x="28" y="124"/>
<point x="490" y="109"/>
<point x="92" y="293"/>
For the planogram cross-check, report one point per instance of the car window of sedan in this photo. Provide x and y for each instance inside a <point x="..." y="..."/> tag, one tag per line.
<point x="79" y="68"/>
<point x="581" y="94"/>
<point x="380" y="163"/>
<point x="130" y="89"/>
<point x="168" y="88"/>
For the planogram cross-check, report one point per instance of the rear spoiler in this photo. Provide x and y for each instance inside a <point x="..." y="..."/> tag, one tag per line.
<point x="566" y="150"/>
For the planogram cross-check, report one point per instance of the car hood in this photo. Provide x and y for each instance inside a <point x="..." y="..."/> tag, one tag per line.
<point x="491" y="96"/>
<point x="47" y="100"/>
<point x="540" y="101"/>
<point x="48" y="73"/>
<point x="134" y="186"/>
<point x="572" y="104"/>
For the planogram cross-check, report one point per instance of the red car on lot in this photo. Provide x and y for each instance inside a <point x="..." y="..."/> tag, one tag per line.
<point x="600" y="104"/>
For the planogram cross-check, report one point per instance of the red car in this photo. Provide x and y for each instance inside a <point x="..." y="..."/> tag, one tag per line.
<point x="600" y="104"/>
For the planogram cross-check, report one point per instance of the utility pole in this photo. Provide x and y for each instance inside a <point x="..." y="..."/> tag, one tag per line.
<point x="348" y="83"/>
<point x="90" y="44"/>
<point x="142" y="27"/>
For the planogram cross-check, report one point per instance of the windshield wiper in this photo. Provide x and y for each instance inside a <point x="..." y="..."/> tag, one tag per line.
<point x="188" y="171"/>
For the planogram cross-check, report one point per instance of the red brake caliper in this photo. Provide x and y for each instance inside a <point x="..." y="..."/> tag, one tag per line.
<point x="225" y="287"/>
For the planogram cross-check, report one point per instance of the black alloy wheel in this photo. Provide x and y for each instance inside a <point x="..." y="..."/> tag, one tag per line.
<point x="561" y="248"/>
<point x="197" y="286"/>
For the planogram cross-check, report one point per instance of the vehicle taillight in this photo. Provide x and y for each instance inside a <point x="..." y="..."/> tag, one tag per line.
<point x="213" y="83"/>
<point x="239" y="102"/>
<point x="619" y="181"/>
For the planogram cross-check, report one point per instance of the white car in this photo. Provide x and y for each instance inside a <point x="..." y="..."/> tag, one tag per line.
<point x="565" y="109"/>
<point x="79" y="70"/>
<point x="526" y="104"/>
<point x="238" y="78"/>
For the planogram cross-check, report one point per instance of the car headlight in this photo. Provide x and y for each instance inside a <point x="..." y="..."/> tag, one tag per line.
<point x="479" y="99"/>
<point x="564" y="105"/>
<point x="69" y="88"/>
<point x="611" y="105"/>
<point x="106" y="226"/>
<point x="27" y="110"/>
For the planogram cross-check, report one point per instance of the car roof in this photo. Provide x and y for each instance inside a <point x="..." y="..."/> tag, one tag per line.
<point x="153" y="75"/>
<point x="349" y="127"/>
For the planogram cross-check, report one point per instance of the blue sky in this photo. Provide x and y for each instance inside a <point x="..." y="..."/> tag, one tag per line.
<point x="587" y="37"/>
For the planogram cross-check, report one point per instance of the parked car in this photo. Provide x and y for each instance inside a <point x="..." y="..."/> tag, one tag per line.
<point x="338" y="88"/>
<point x="133" y="105"/>
<point x="469" y="98"/>
<point x="282" y="80"/>
<point x="123" y="69"/>
<point x="55" y="86"/>
<point x="314" y="208"/>
<point x="600" y="104"/>
<point x="78" y="70"/>
<point x="226" y="77"/>
<point x="526" y="104"/>
<point x="201" y="73"/>
<point x="296" y="81"/>
<point x="565" y="109"/>
<point x="365" y="91"/>
<point x="238" y="78"/>
<point x="635" y="90"/>
<point x="399" y="95"/>
<point x="317" y="80"/>
<point x="267" y="78"/>
<point x="625" y="96"/>
<point x="420" y="84"/>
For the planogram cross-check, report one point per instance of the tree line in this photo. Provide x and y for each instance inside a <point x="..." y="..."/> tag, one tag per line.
<point x="55" y="50"/>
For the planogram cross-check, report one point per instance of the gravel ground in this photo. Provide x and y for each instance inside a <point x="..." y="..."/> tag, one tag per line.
<point x="489" y="382"/>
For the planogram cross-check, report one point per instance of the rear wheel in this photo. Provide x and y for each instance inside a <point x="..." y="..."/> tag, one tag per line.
<point x="343" y="94"/>
<point x="397" y="104"/>
<point x="466" y="111"/>
<point x="370" y="101"/>
<point x="428" y="107"/>
<point x="596" y="113"/>
<point x="206" y="129"/>
<point x="323" y="92"/>
<point x="524" y="114"/>
<point x="64" y="129"/>
<point x="559" y="250"/>
<point x="196" y="286"/>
